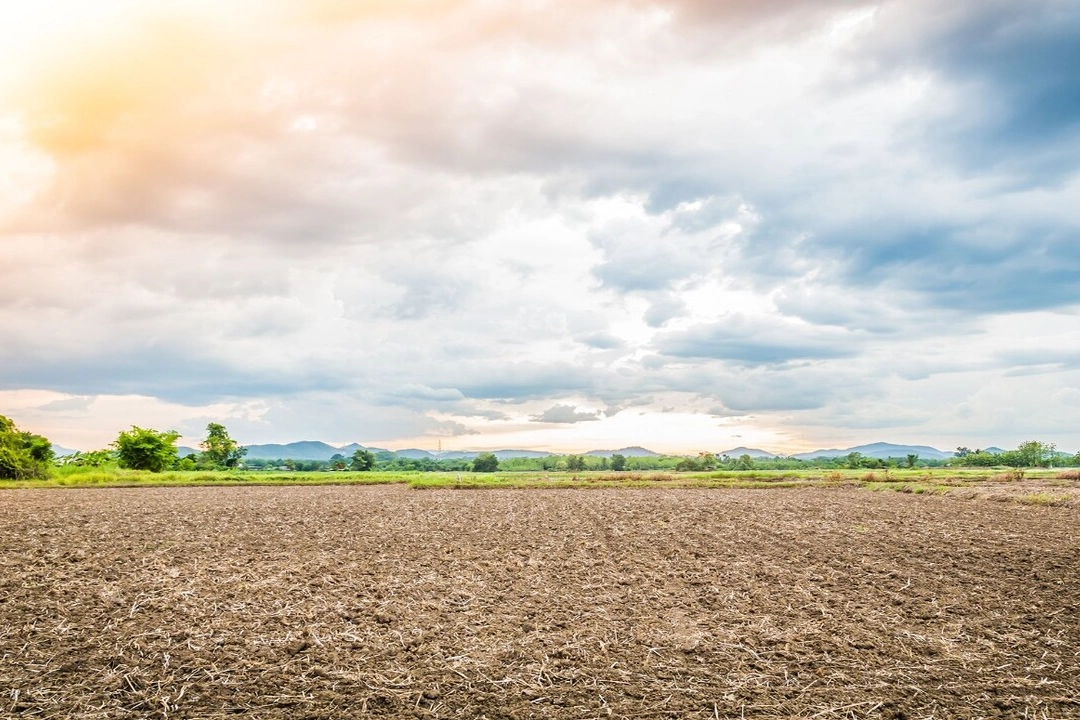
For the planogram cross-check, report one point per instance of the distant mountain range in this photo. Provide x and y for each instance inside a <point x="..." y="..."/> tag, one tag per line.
<point x="303" y="450"/>
<point x="880" y="450"/>
<point x="317" y="450"/>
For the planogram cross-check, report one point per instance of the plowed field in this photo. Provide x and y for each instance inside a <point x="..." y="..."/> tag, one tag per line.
<point x="327" y="602"/>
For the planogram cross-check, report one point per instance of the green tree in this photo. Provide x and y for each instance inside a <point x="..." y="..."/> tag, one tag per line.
<point x="1034" y="453"/>
<point x="363" y="460"/>
<point x="687" y="465"/>
<point x="854" y="460"/>
<point x="912" y="459"/>
<point x="144" y="449"/>
<point x="618" y="462"/>
<point x="23" y="455"/>
<point x="575" y="463"/>
<point x="485" y="462"/>
<point x="745" y="462"/>
<point x="219" y="450"/>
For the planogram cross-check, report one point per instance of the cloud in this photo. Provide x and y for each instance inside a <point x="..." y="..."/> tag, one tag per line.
<point x="78" y="403"/>
<point x="1018" y="101"/>
<point x="665" y="309"/>
<point x="602" y="341"/>
<point x="373" y="218"/>
<point x="423" y="392"/>
<point x="566" y="414"/>
<point x="757" y="341"/>
<point x="449" y="428"/>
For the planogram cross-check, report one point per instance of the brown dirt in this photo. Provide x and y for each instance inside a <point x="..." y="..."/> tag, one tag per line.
<point x="326" y="602"/>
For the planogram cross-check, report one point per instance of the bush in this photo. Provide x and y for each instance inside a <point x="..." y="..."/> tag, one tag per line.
<point x="485" y="462"/>
<point x="143" y="449"/>
<point x="23" y="455"/>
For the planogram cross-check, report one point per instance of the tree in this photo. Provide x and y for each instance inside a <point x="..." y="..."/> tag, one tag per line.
<point x="23" y="455"/>
<point x="145" y="449"/>
<point x="363" y="460"/>
<point x="220" y="450"/>
<point x="575" y="463"/>
<point x="485" y="462"/>
<point x="745" y="462"/>
<point x="1034" y="453"/>
<point x="618" y="462"/>
<point x="912" y="459"/>
<point x="687" y="465"/>
<point x="854" y="460"/>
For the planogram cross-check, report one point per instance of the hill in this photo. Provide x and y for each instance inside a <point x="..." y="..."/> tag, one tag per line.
<point x="303" y="450"/>
<point x="752" y="452"/>
<point x="634" y="451"/>
<point x="880" y="450"/>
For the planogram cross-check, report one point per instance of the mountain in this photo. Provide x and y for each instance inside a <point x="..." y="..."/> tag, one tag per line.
<point x="470" y="454"/>
<point x="634" y="451"/>
<point x="303" y="450"/>
<point x="880" y="450"/>
<point x="317" y="450"/>
<point x="414" y="454"/>
<point x="60" y="451"/>
<point x="752" y="452"/>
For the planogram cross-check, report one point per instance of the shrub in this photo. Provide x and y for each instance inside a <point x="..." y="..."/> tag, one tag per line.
<point x="485" y="462"/>
<point x="23" y="455"/>
<point x="143" y="449"/>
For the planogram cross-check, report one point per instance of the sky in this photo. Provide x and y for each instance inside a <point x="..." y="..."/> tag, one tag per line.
<point x="564" y="225"/>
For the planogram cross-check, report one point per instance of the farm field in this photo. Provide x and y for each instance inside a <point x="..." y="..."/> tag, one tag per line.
<point x="382" y="600"/>
<point x="1035" y="486"/>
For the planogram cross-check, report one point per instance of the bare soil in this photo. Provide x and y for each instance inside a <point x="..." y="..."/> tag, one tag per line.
<point x="328" y="602"/>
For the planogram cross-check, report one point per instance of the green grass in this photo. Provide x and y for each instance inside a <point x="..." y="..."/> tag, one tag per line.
<point x="918" y="480"/>
<point x="114" y="477"/>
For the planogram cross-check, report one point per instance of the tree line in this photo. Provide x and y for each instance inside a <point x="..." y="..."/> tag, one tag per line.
<point x="25" y="455"/>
